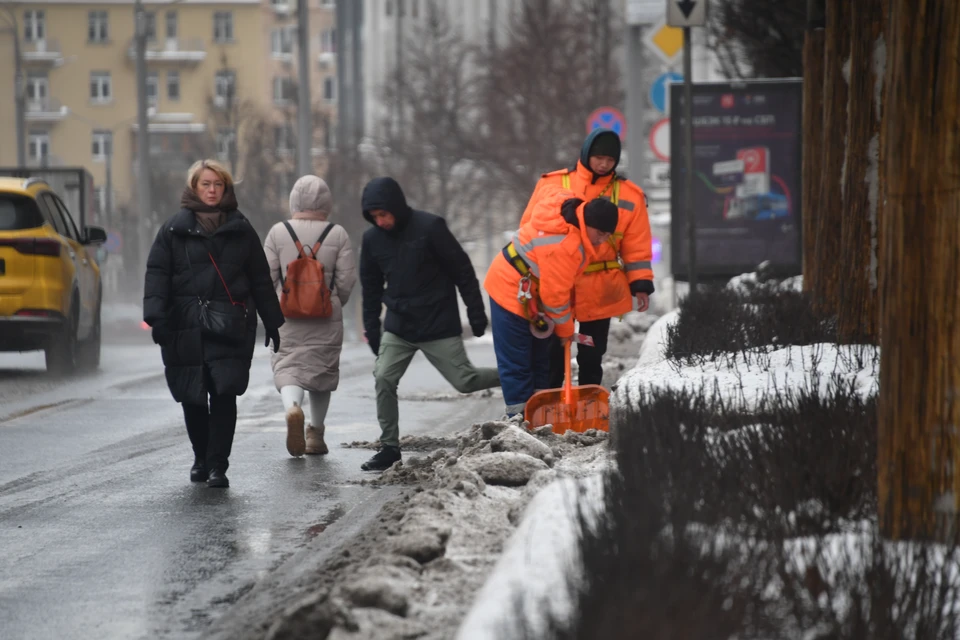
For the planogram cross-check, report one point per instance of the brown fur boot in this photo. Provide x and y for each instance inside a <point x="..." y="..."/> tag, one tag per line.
<point x="295" y="442"/>
<point x="315" y="443"/>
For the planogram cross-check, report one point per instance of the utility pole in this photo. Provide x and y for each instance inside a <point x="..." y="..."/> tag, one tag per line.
<point x="399" y="57"/>
<point x="108" y="205"/>
<point x="304" y="115"/>
<point x="492" y="43"/>
<point x="19" y="95"/>
<point x="686" y="14"/>
<point x="143" y="125"/>
<point x="688" y="156"/>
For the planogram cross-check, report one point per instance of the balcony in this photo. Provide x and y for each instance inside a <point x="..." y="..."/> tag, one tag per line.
<point x="42" y="52"/>
<point x="179" y="50"/>
<point x="46" y="110"/>
<point x="283" y="7"/>
<point x="45" y="161"/>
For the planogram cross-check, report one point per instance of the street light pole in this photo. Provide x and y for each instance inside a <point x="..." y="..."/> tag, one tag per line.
<point x="143" y="125"/>
<point x="304" y="117"/>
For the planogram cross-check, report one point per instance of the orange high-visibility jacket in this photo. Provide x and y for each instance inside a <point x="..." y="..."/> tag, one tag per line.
<point x="553" y="250"/>
<point x="603" y="290"/>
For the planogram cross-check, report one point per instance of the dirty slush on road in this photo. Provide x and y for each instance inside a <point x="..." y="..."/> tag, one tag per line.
<point x="415" y="571"/>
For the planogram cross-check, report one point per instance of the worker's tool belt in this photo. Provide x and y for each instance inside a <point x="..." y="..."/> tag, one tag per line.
<point x="525" y="288"/>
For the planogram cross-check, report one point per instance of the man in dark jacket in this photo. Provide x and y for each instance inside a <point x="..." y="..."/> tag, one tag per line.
<point x="412" y="264"/>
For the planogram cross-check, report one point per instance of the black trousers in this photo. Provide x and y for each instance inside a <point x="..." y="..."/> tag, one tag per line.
<point x="589" y="359"/>
<point x="211" y="428"/>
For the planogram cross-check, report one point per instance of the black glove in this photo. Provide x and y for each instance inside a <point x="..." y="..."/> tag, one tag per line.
<point x="374" y="344"/>
<point x="272" y="334"/>
<point x="479" y="327"/>
<point x="161" y="334"/>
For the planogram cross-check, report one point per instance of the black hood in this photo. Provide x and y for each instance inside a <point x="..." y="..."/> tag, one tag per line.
<point x="386" y="194"/>
<point x="592" y="138"/>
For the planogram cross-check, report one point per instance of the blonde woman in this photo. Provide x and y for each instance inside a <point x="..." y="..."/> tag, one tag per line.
<point x="207" y="280"/>
<point x="308" y="362"/>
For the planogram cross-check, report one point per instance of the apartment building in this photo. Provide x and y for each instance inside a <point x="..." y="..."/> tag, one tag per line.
<point x="203" y="56"/>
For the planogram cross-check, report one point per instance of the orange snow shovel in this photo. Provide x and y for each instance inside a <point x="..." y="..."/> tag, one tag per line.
<point x="576" y="408"/>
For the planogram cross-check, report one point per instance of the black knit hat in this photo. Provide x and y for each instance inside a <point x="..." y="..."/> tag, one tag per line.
<point x="607" y="143"/>
<point x="602" y="215"/>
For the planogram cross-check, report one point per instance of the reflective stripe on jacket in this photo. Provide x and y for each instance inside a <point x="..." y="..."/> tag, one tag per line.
<point x="553" y="250"/>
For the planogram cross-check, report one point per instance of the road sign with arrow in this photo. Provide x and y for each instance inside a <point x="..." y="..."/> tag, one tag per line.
<point x="686" y="13"/>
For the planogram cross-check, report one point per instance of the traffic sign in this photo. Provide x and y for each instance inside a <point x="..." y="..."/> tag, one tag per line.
<point x="643" y="12"/>
<point x="608" y="118"/>
<point x="659" y="174"/>
<point x="660" y="139"/>
<point x="659" y="92"/>
<point x="664" y="40"/>
<point x="687" y="13"/>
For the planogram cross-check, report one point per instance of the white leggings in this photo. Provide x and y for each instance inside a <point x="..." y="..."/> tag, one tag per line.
<point x="319" y="402"/>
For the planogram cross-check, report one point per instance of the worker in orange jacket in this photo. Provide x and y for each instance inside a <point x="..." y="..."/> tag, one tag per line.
<point x="530" y="285"/>
<point x="622" y="269"/>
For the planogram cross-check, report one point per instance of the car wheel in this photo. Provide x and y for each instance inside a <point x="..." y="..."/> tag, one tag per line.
<point x="90" y="348"/>
<point x="62" y="352"/>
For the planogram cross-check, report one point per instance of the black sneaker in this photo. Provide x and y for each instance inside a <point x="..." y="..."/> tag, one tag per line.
<point x="218" y="479"/>
<point x="198" y="472"/>
<point x="383" y="459"/>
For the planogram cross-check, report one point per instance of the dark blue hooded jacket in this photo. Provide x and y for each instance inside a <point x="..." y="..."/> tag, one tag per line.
<point x="414" y="270"/>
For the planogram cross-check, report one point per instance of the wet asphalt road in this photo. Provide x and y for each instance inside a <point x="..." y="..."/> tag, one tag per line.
<point x="103" y="536"/>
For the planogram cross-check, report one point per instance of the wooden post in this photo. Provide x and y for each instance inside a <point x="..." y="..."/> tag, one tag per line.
<point x="858" y="316"/>
<point x="920" y="274"/>
<point x="812" y="136"/>
<point x="832" y="208"/>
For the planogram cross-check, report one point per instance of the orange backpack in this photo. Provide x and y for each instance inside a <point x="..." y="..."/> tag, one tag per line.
<point x="305" y="293"/>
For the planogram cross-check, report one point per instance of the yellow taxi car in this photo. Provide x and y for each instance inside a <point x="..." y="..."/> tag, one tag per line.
<point x="50" y="289"/>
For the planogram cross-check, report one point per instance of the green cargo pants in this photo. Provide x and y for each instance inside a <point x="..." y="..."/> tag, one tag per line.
<point x="447" y="355"/>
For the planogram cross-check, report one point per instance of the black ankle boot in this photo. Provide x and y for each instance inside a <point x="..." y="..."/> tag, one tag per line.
<point x="383" y="460"/>
<point x="218" y="479"/>
<point x="198" y="472"/>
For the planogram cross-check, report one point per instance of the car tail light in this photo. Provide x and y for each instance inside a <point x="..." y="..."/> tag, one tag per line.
<point x="33" y="246"/>
<point x="37" y="313"/>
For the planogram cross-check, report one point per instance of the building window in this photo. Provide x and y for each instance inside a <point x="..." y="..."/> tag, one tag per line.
<point x="38" y="146"/>
<point x="329" y="89"/>
<point x="226" y="144"/>
<point x="37" y="89"/>
<point x="284" y="90"/>
<point x="173" y="85"/>
<point x="101" y="89"/>
<point x="281" y="42"/>
<point x="34" y="26"/>
<point x="102" y="145"/>
<point x="153" y="87"/>
<point x="151" y="26"/>
<point x="97" y="29"/>
<point x="223" y="26"/>
<point x="171" y="25"/>
<point x="328" y="41"/>
<point x="224" y="87"/>
<point x="388" y="7"/>
<point x="283" y="138"/>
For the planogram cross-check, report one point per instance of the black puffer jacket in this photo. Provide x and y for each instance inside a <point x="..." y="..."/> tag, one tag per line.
<point x="170" y="302"/>
<point x="422" y="266"/>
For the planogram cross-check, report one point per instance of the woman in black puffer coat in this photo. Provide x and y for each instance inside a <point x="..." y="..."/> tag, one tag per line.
<point x="208" y="251"/>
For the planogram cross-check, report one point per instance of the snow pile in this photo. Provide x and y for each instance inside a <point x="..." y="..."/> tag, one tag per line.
<point x="416" y="572"/>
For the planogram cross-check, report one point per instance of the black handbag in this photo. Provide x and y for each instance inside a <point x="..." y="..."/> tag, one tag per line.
<point x="220" y="321"/>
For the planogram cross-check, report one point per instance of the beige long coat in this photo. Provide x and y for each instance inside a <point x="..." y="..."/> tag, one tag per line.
<point x="309" y="355"/>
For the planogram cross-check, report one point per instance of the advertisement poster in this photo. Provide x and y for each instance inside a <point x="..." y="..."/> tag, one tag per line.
<point x="746" y="182"/>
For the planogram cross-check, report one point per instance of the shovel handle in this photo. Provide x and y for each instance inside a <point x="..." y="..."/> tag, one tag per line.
<point x="567" y="384"/>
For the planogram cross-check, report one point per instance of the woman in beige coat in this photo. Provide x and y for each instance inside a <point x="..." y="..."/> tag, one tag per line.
<point x="309" y="357"/>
